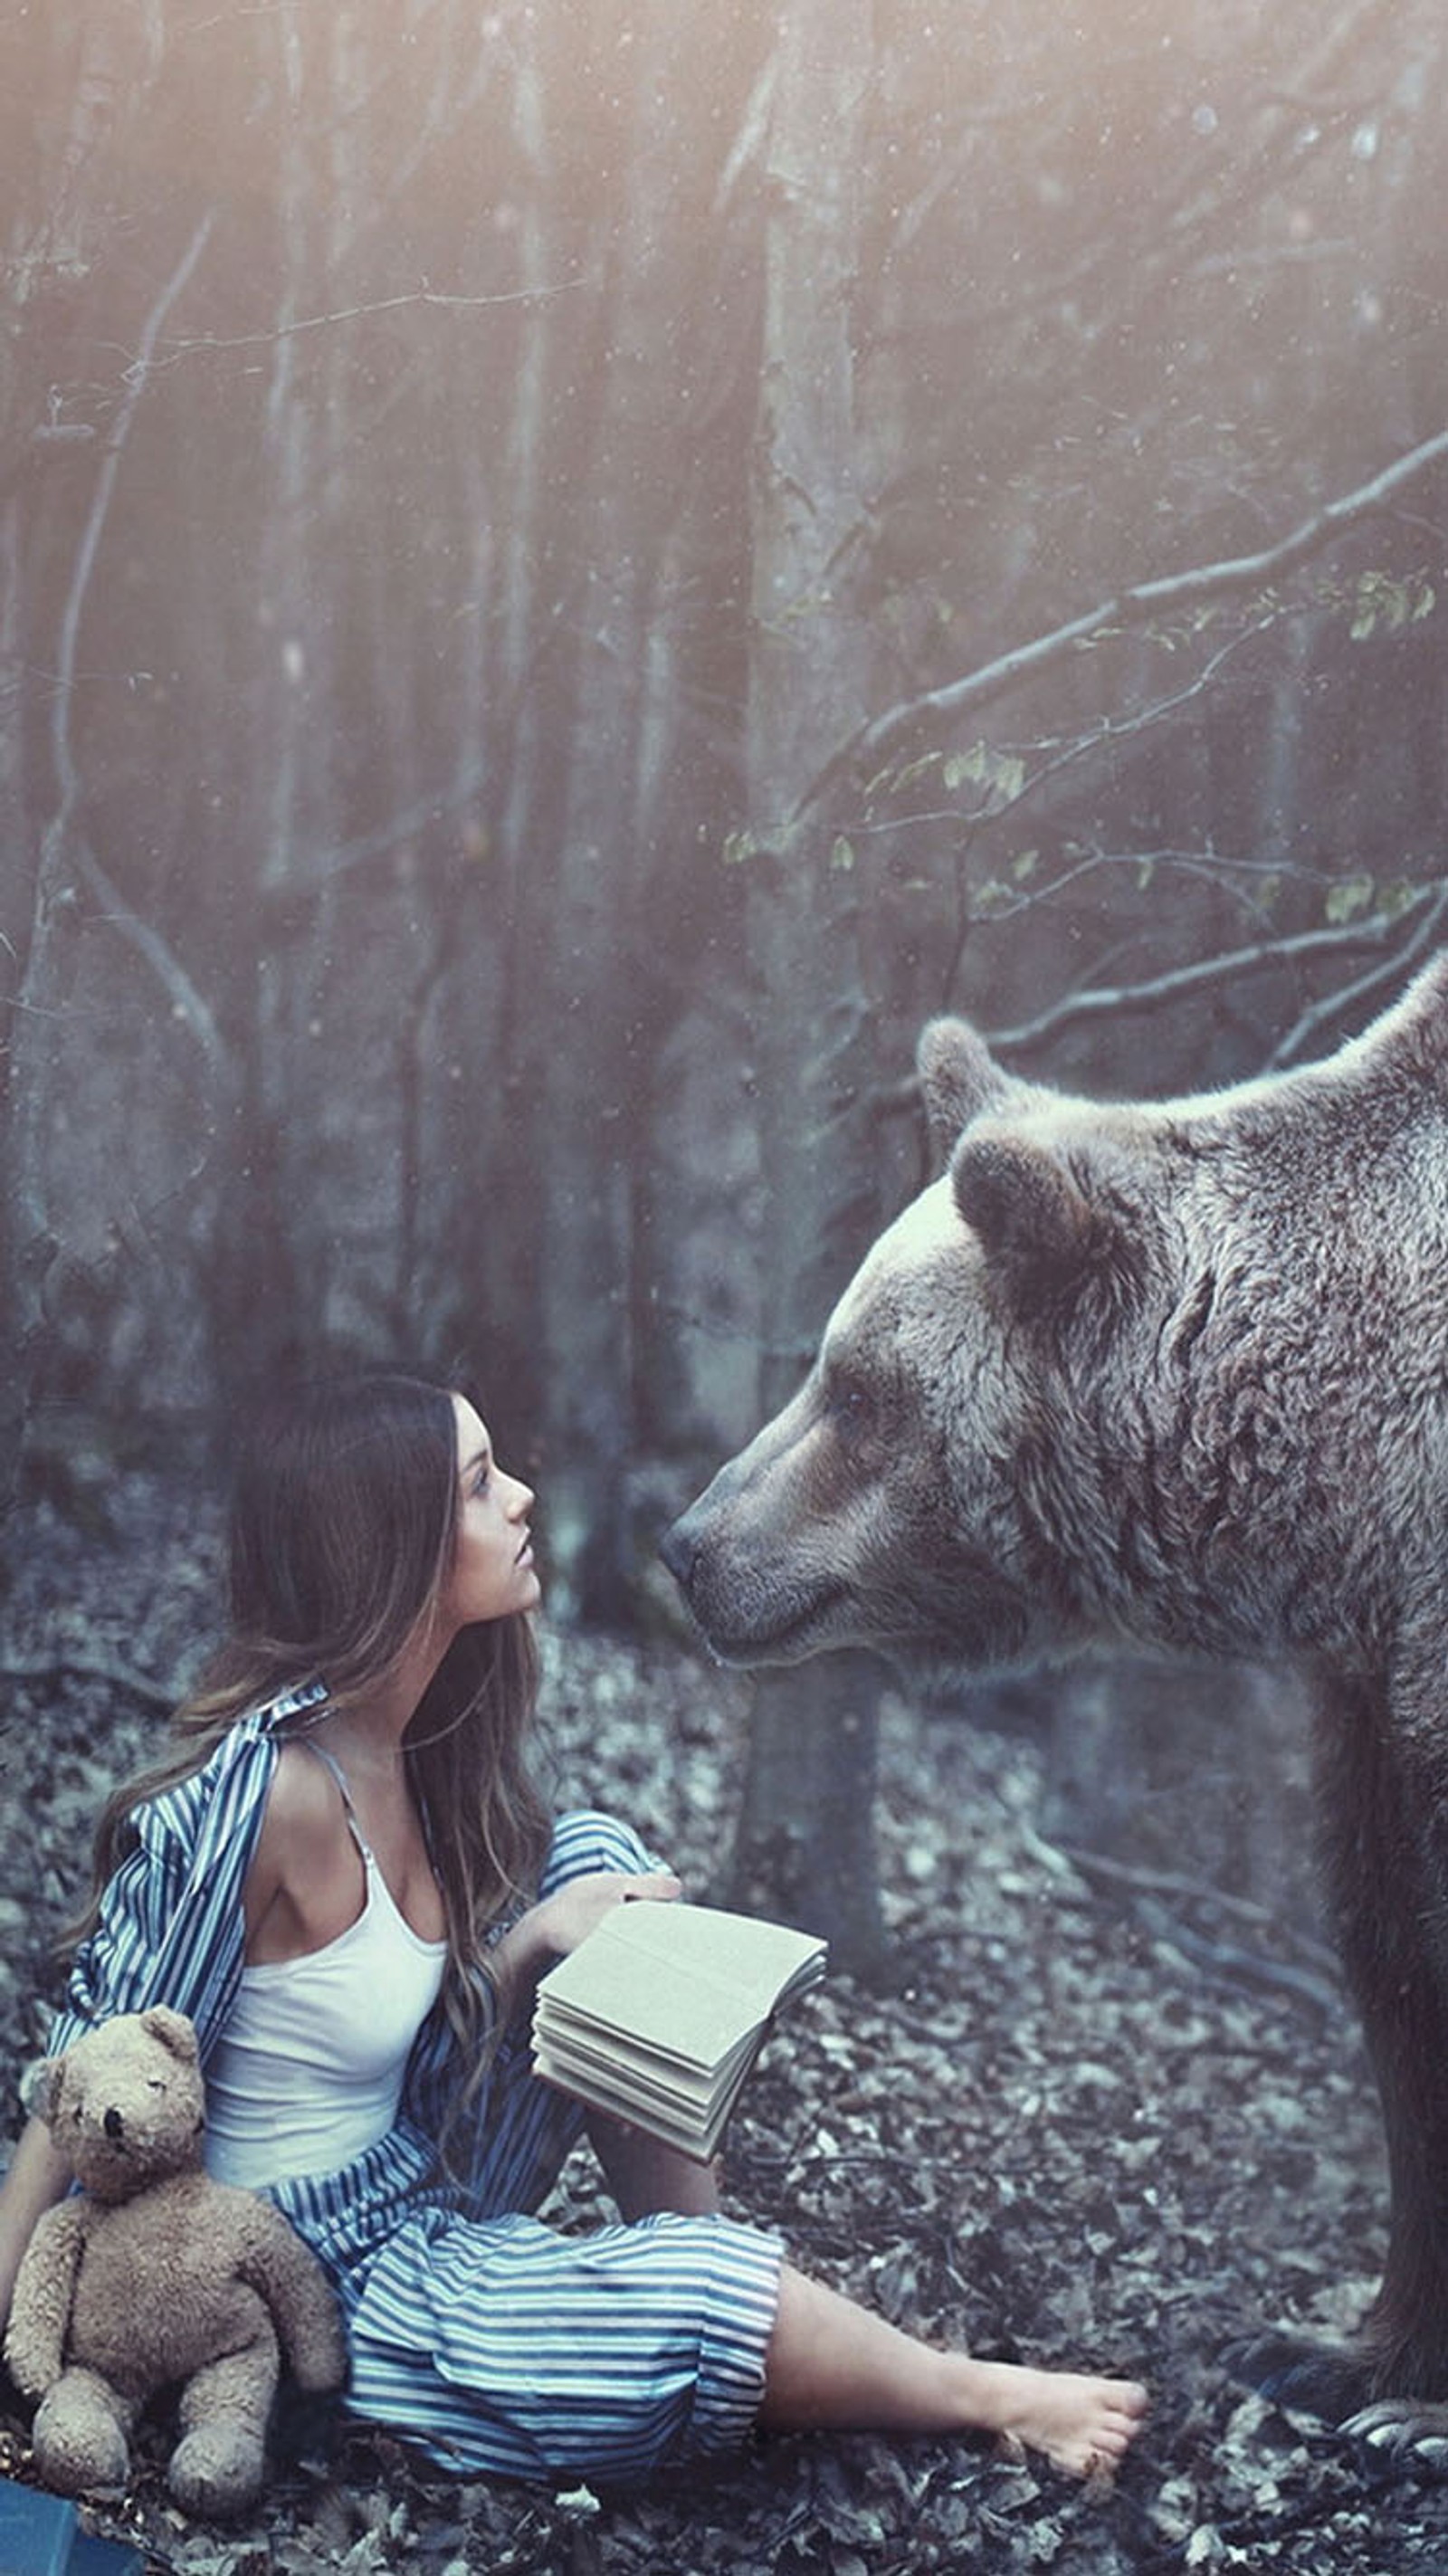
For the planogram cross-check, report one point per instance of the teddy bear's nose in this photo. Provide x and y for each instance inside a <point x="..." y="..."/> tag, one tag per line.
<point x="113" y="2124"/>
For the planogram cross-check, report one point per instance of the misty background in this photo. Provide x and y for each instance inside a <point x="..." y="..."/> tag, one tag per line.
<point x="570" y="574"/>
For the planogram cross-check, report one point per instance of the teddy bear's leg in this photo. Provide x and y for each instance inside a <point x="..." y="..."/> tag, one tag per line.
<point x="216" y="2467"/>
<point x="81" y="2435"/>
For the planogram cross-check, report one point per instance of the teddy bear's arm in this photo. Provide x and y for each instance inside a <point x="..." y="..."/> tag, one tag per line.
<point x="300" y="2297"/>
<point x="44" y="2291"/>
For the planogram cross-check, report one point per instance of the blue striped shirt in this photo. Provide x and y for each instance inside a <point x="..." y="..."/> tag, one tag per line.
<point x="476" y="2331"/>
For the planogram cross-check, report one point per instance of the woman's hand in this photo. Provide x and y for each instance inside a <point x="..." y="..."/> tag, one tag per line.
<point x="550" y="1930"/>
<point x="567" y="1917"/>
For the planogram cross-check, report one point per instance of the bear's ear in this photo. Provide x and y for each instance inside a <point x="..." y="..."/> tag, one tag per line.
<point x="174" y="2032"/>
<point x="1047" y="1237"/>
<point x="958" y="1077"/>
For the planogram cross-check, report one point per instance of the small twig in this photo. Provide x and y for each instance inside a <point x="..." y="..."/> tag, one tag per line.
<point x="95" y="521"/>
<point x="1224" y="1959"/>
<point x="1165" y="1882"/>
<point x="1239" y="1967"/>
<point x="1376" y="931"/>
<point x="1135" y="606"/>
<point x="145" y="363"/>
<point x="1332" y="1005"/>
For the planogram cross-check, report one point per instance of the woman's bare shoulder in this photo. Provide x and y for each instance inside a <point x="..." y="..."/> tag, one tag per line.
<point x="304" y="1807"/>
<point x="299" y="1866"/>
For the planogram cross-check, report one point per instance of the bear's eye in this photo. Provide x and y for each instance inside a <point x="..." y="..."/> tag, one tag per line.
<point x="154" y="2084"/>
<point x="851" y="1406"/>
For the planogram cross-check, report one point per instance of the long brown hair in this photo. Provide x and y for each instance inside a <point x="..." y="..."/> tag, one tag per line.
<point x="343" y="1528"/>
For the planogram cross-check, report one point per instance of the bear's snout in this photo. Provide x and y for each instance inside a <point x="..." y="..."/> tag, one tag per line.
<point x="114" y="2125"/>
<point x="678" y="1547"/>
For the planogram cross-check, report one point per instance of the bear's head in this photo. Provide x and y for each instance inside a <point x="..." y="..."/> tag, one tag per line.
<point x="887" y="1505"/>
<point x="126" y="2105"/>
<point x="1124" y="1368"/>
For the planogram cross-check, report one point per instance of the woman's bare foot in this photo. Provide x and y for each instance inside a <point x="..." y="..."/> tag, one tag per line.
<point x="833" y="2364"/>
<point x="1084" y="2426"/>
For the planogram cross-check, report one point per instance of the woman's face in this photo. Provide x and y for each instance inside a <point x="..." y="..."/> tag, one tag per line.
<point x="492" y="1570"/>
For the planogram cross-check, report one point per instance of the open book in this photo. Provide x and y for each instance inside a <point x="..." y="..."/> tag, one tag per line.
<point x="659" y="2015"/>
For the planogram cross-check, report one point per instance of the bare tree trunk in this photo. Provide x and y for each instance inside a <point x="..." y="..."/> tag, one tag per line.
<point x="806" y="1840"/>
<point x="264" y="1242"/>
<point x="67" y="877"/>
<point x="593" y="1067"/>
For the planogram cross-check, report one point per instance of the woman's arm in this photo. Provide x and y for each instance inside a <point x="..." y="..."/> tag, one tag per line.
<point x="37" y="2179"/>
<point x="549" y="1930"/>
<point x="643" y="2174"/>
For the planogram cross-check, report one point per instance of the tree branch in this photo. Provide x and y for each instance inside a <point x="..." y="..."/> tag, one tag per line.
<point x="1346" y="996"/>
<point x="1166" y="595"/>
<point x="1423" y="912"/>
<point x="185" y="998"/>
<point x="146" y="362"/>
<point x="62" y="845"/>
<point x="317" y="872"/>
<point x="99" y="512"/>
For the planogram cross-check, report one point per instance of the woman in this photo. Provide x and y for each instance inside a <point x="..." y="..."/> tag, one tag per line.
<point x="344" y="1875"/>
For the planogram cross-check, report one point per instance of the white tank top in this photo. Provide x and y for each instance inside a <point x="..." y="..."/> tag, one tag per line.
<point x="308" y="2071"/>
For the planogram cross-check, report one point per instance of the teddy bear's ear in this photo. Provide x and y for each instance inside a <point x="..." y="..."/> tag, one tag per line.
<point x="40" y="2087"/>
<point x="174" y="2032"/>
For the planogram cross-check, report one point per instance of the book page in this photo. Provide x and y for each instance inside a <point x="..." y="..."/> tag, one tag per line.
<point x="691" y="1980"/>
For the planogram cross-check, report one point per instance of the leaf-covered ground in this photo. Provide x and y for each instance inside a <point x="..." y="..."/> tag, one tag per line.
<point x="1078" y="2130"/>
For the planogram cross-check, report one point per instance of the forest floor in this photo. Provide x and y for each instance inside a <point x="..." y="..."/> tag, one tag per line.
<point x="1087" y="2124"/>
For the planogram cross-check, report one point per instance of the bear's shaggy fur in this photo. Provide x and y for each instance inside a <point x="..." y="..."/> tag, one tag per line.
<point x="1178" y="1373"/>
<point x="153" y="2276"/>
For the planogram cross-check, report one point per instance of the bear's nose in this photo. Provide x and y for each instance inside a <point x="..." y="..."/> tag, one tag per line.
<point x="113" y="2124"/>
<point x="679" y="1549"/>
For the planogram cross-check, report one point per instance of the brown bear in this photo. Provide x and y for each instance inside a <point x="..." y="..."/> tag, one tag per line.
<point x="1177" y="1373"/>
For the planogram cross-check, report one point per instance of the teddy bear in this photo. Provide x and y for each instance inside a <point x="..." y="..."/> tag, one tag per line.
<point x="153" y="2276"/>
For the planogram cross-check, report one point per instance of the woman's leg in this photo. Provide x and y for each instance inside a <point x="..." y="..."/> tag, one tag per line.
<point x="831" y="2363"/>
<point x="644" y="2175"/>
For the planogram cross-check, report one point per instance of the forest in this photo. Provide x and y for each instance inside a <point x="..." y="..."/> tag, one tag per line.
<point x="566" y="578"/>
<point x="569" y="576"/>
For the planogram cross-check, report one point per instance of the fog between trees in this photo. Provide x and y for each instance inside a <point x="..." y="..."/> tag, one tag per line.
<point x="568" y="574"/>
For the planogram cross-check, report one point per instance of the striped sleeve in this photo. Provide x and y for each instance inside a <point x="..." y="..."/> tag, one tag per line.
<point x="171" y="1928"/>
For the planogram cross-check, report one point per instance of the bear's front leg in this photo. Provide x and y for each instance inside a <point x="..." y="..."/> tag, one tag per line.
<point x="1404" y="2425"/>
<point x="1382" y="1880"/>
<point x="81" y="2435"/>
<point x="216" y="2468"/>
